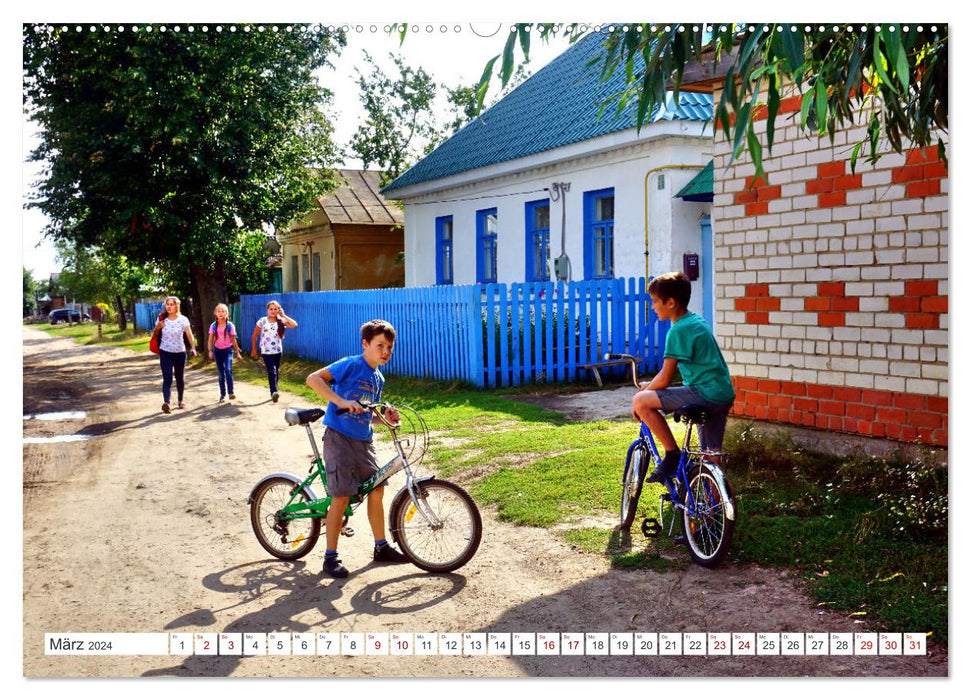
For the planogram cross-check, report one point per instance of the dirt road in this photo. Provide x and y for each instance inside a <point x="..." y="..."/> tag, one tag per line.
<point x="143" y="527"/>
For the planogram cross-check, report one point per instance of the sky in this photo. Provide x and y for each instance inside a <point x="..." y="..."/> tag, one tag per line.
<point x="454" y="53"/>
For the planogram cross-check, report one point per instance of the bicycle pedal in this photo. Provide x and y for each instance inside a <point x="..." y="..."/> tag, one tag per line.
<point x="651" y="527"/>
<point x="347" y="531"/>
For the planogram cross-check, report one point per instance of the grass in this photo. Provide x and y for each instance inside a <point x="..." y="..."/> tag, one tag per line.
<point x="868" y="536"/>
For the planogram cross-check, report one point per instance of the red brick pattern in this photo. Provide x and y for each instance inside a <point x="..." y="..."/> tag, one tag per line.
<point x="921" y="304"/>
<point x="870" y="412"/>
<point x="831" y="303"/>
<point x="922" y="172"/>
<point x="832" y="183"/>
<point x="756" y="196"/>
<point x="757" y="303"/>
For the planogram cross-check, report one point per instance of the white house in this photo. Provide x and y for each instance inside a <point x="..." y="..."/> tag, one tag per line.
<point x="538" y="188"/>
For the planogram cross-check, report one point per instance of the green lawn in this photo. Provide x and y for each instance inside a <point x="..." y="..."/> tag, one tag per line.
<point x="869" y="537"/>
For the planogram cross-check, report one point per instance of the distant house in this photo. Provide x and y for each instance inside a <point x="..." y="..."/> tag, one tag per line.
<point x="352" y="240"/>
<point x="539" y="185"/>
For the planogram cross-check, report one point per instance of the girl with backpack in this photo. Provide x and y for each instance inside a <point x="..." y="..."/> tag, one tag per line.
<point x="222" y="347"/>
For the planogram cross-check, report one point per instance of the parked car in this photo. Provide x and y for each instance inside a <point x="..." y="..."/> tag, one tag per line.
<point x="60" y="316"/>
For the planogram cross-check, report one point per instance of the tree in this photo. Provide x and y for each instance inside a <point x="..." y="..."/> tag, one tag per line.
<point x="168" y="147"/>
<point x="465" y="104"/>
<point x="399" y="125"/>
<point x="894" y="77"/>
<point x="92" y="275"/>
<point x="30" y="288"/>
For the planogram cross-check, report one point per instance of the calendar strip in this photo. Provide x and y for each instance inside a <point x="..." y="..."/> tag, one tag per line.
<point x="487" y="644"/>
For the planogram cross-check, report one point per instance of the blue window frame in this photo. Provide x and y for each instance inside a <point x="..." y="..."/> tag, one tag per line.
<point x="538" y="241"/>
<point x="443" y="250"/>
<point x="486" y="236"/>
<point x="598" y="234"/>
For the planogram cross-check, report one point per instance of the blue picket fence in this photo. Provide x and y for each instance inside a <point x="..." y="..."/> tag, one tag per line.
<point x="147" y="314"/>
<point x="487" y="335"/>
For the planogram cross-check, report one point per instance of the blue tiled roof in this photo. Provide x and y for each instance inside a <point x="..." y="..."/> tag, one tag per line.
<point x="555" y="107"/>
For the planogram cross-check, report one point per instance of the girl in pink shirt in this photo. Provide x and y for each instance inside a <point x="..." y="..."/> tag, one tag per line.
<point x="222" y="347"/>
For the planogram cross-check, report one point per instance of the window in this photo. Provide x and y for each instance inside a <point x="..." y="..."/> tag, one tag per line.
<point x="305" y="276"/>
<point x="598" y="234"/>
<point x="443" y="250"/>
<point x="538" y="241"/>
<point x="486" y="234"/>
<point x="316" y="271"/>
<point x="294" y="273"/>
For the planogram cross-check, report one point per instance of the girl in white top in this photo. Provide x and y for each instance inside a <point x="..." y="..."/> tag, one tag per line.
<point x="270" y="330"/>
<point x="174" y="326"/>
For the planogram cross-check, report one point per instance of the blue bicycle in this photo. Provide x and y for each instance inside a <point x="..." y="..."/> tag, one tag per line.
<point x="698" y="489"/>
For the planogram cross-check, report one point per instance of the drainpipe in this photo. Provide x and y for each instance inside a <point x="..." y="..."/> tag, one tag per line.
<point x="647" y="246"/>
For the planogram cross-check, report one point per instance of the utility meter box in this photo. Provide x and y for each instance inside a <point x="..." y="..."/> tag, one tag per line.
<point x="691" y="266"/>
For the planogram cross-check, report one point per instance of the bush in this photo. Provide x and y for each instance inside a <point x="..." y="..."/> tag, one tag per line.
<point x="107" y="313"/>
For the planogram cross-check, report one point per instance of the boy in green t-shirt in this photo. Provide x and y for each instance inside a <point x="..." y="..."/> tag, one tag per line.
<point x="691" y="348"/>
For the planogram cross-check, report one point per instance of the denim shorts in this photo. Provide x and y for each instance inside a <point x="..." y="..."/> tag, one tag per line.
<point x="347" y="462"/>
<point x="713" y="431"/>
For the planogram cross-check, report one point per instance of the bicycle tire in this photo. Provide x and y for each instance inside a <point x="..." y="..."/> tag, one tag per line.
<point x="708" y="532"/>
<point x="443" y="549"/>
<point x="287" y="540"/>
<point x="633" y="483"/>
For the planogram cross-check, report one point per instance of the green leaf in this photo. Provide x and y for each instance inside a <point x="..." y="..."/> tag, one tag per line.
<point x="755" y="151"/>
<point x="524" y="40"/>
<point x="854" y="156"/>
<point x="772" y="111"/>
<point x="483" y="85"/>
<point x="879" y="64"/>
<point x="794" y="48"/>
<point x="741" y="126"/>
<point x="821" y="105"/>
<point x="508" y="56"/>
<point x="807" y="103"/>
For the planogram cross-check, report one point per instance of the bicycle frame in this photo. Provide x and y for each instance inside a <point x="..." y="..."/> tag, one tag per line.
<point x="317" y="507"/>
<point x="646" y="440"/>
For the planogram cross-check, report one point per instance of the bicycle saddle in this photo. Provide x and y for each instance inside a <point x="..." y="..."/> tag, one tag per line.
<point x="302" y="416"/>
<point x="691" y="413"/>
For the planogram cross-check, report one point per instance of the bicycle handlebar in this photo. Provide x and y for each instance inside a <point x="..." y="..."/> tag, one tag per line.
<point x="376" y="409"/>
<point x="630" y="358"/>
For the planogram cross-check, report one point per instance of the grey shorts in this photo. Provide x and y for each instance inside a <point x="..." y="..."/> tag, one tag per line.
<point x="713" y="431"/>
<point x="347" y="462"/>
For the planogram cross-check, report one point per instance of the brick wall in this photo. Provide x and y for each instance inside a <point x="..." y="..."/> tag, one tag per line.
<point x="832" y="301"/>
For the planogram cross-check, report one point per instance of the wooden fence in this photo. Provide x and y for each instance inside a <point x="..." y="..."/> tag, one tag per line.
<point x="486" y="335"/>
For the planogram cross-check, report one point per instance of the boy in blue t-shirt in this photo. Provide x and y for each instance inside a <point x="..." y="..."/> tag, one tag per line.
<point x="690" y="347"/>
<point x="349" y="456"/>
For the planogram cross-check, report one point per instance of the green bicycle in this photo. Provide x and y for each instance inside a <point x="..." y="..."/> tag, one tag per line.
<point x="435" y="522"/>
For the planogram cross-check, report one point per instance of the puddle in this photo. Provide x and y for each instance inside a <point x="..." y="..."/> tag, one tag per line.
<point x="57" y="438"/>
<point x="60" y="415"/>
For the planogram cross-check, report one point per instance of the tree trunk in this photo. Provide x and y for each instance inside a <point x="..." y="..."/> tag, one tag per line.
<point x="122" y="320"/>
<point x="208" y="287"/>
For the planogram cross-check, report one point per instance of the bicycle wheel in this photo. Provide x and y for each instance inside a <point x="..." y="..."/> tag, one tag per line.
<point x="443" y="548"/>
<point x="633" y="481"/>
<point x="708" y="530"/>
<point x="284" y="539"/>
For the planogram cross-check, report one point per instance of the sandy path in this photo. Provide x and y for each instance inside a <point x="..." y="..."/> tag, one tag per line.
<point x="144" y="528"/>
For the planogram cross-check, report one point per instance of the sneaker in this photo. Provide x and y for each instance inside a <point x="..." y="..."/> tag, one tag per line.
<point x="389" y="554"/>
<point x="166" y="408"/>
<point x="275" y="396"/>
<point x="668" y="468"/>
<point x="232" y="397"/>
<point x="334" y="568"/>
